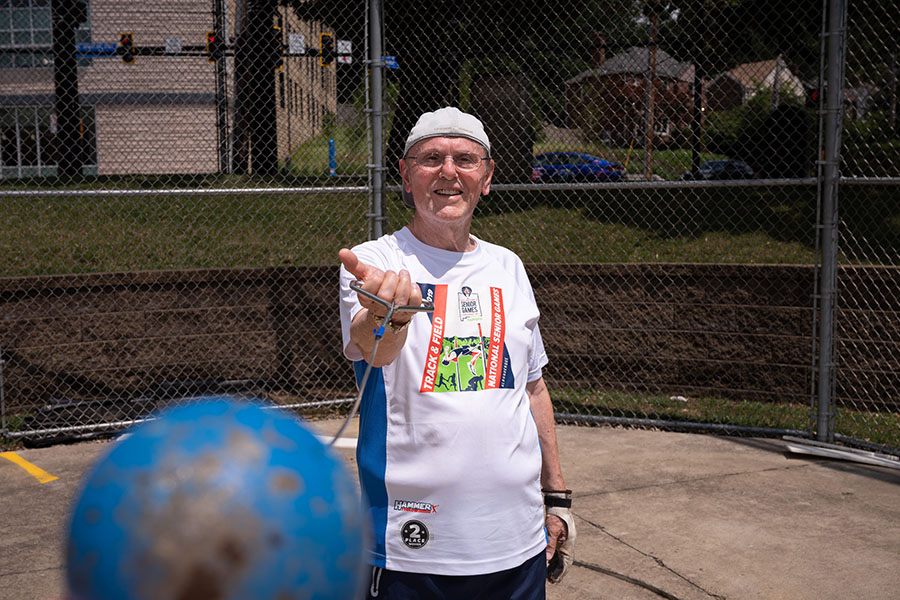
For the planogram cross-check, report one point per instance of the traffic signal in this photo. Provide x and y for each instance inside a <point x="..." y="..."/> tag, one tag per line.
<point x="213" y="46"/>
<point x="326" y="49"/>
<point x="126" y="47"/>
<point x="279" y="48"/>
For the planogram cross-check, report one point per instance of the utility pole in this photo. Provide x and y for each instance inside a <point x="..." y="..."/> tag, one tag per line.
<point x="255" y="61"/>
<point x="776" y="86"/>
<point x="651" y="75"/>
<point x="893" y="101"/>
<point x="697" y="90"/>
<point x="69" y="150"/>
<point x="221" y="96"/>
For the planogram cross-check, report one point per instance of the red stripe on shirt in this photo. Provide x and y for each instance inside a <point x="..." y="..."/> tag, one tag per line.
<point x="498" y="336"/>
<point x="433" y="358"/>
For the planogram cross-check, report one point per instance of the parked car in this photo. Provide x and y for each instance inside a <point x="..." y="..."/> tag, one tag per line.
<point x="721" y="169"/>
<point x="568" y="167"/>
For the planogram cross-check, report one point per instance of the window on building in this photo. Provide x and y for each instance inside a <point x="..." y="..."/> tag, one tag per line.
<point x="27" y="141"/>
<point x="661" y="125"/>
<point x="26" y="34"/>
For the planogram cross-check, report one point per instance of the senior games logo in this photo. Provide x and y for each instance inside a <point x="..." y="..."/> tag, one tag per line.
<point x="469" y="306"/>
<point x="466" y="363"/>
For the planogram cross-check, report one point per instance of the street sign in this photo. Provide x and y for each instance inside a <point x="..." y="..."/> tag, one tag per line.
<point x="89" y="50"/>
<point x="344" y="50"/>
<point x="296" y="43"/>
<point x="173" y="45"/>
<point x="391" y="62"/>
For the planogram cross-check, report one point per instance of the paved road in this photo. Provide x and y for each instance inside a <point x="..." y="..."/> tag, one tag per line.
<point x="659" y="514"/>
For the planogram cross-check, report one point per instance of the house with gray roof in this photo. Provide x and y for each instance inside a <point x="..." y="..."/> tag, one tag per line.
<point x="609" y="101"/>
<point x="735" y="87"/>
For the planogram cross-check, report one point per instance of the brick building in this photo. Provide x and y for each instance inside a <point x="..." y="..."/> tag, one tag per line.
<point x="165" y="112"/>
<point x="609" y="101"/>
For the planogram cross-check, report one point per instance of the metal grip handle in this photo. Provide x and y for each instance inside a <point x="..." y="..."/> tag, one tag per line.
<point x="356" y="286"/>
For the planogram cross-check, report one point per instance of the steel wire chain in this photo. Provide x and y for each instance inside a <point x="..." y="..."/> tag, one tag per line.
<point x="178" y="178"/>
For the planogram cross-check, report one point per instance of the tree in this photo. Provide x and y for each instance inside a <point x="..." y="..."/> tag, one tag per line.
<point x="430" y="51"/>
<point x="718" y="35"/>
<point x="653" y="10"/>
<point x="255" y="128"/>
<point x="446" y="47"/>
<point x="873" y="52"/>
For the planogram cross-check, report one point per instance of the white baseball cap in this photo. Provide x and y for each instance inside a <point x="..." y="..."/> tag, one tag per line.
<point x="448" y="121"/>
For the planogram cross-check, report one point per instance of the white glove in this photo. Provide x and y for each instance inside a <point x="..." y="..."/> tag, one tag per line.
<point x="559" y="504"/>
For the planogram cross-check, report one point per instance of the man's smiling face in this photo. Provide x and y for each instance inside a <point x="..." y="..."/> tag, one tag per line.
<point x="446" y="193"/>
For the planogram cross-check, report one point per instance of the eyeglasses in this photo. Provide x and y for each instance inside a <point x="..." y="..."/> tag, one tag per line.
<point x="435" y="160"/>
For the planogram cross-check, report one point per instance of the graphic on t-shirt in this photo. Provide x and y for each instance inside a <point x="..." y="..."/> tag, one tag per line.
<point x="415" y="506"/>
<point x="468" y="354"/>
<point x="414" y="534"/>
<point x="462" y="364"/>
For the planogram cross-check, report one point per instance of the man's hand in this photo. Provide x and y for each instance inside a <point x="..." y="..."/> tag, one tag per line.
<point x="561" y="534"/>
<point x="556" y="534"/>
<point x="390" y="287"/>
<point x="387" y="285"/>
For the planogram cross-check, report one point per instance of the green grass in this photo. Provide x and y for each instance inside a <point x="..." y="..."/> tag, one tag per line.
<point x="667" y="164"/>
<point x="692" y="410"/>
<point x="566" y="237"/>
<point x="879" y="428"/>
<point x="80" y="234"/>
<point x="310" y="159"/>
<point x="14" y="422"/>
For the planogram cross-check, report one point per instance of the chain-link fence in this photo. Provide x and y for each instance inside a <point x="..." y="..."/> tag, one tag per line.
<point x="177" y="178"/>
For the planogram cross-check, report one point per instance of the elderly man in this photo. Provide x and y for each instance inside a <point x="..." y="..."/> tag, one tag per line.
<point x="457" y="447"/>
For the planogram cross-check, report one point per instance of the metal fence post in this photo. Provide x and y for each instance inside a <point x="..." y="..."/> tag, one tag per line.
<point x="2" y="400"/>
<point x="376" y="114"/>
<point x="830" y="173"/>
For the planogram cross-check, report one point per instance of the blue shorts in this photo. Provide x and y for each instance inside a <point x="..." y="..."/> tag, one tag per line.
<point x="528" y="581"/>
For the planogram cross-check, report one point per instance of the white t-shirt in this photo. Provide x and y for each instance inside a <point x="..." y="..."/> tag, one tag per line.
<point x="448" y="453"/>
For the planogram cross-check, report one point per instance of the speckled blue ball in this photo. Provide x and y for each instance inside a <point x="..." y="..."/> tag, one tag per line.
<point x="221" y="499"/>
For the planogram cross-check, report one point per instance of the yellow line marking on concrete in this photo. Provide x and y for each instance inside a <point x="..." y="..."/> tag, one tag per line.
<point x="38" y="473"/>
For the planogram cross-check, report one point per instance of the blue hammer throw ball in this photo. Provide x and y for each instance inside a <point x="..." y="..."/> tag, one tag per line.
<point x="217" y="500"/>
